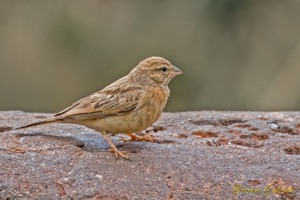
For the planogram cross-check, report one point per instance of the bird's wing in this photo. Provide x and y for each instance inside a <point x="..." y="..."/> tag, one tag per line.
<point x="107" y="102"/>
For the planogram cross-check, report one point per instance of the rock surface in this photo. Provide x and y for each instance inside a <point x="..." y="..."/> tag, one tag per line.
<point x="199" y="155"/>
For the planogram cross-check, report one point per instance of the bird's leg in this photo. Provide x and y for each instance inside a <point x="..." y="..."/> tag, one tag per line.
<point x="134" y="137"/>
<point x="114" y="148"/>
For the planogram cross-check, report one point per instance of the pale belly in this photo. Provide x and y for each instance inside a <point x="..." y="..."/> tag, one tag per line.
<point x="129" y="123"/>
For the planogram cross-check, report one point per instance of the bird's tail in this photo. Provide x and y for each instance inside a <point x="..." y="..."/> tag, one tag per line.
<point x="48" y="121"/>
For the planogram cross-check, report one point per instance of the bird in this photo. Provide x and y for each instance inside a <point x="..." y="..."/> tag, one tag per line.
<point x="129" y="105"/>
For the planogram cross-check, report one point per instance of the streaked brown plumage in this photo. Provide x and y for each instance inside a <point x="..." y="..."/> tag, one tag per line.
<point x="128" y="105"/>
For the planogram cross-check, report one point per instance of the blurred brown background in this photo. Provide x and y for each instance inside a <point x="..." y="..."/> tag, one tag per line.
<point x="235" y="54"/>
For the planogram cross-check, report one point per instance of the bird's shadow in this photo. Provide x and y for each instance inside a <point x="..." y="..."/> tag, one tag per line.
<point x="88" y="142"/>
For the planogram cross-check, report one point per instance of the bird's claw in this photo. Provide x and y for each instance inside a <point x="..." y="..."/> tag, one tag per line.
<point x="119" y="153"/>
<point x="134" y="137"/>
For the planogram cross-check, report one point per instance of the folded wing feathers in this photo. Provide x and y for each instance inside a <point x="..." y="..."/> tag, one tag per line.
<point x="104" y="104"/>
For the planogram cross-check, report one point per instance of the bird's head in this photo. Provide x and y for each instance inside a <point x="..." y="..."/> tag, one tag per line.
<point x="154" y="71"/>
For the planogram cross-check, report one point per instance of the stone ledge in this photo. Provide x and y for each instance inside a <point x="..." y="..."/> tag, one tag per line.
<point x="200" y="155"/>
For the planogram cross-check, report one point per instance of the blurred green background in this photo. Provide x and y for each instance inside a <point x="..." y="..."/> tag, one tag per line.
<point x="235" y="54"/>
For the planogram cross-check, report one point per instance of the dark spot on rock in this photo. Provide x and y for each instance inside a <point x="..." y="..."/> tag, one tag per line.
<point x="253" y="182"/>
<point x="158" y="128"/>
<point x="79" y="144"/>
<point x="205" y="122"/>
<point x="241" y="142"/>
<point x="287" y="129"/>
<point x="246" y="143"/>
<point x="235" y="132"/>
<point x="255" y="136"/>
<point x="205" y="134"/>
<point x="230" y="121"/>
<point x="243" y="126"/>
<point x="5" y="128"/>
<point x="257" y="145"/>
<point x="182" y="135"/>
<point x="164" y="141"/>
<point x="18" y="135"/>
<point x="246" y="126"/>
<point x="134" y="150"/>
<point x="260" y="136"/>
<point x="293" y="150"/>
<point x="245" y="136"/>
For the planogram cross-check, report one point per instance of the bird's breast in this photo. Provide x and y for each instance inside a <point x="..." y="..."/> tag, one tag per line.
<point x="152" y="104"/>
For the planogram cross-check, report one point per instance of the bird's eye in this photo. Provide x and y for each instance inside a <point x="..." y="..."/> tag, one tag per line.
<point x="163" y="69"/>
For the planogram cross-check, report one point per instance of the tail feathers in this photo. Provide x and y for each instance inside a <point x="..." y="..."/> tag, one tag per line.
<point x="49" y="121"/>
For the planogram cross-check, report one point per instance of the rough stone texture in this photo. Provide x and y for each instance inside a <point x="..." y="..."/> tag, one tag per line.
<point x="199" y="155"/>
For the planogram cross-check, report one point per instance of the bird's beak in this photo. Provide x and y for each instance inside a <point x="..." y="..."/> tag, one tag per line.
<point x="177" y="71"/>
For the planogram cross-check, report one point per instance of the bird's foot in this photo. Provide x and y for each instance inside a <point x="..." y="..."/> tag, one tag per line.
<point x="134" y="137"/>
<point x="119" y="153"/>
<point x="114" y="148"/>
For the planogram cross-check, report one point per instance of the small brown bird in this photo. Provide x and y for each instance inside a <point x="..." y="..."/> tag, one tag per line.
<point x="128" y="105"/>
